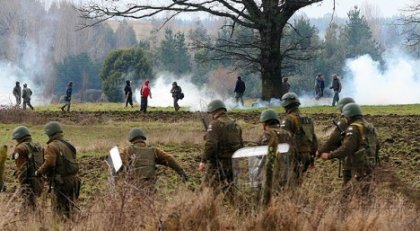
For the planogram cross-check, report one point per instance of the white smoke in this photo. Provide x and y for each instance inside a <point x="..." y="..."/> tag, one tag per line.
<point x="398" y="83"/>
<point x="195" y="98"/>
<point x="9" y="74"/>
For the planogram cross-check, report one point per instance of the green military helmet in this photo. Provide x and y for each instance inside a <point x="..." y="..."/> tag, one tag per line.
<point x="289" y="98"/>
<point x="351" y="109"/>
<point x="136" y="133"/>
<point x="267" y="115"/>
<point x="20" y="132"/>
<point x="52" y="128"/>
<point x="215" y="105"/>
<point x="343" y="102"/>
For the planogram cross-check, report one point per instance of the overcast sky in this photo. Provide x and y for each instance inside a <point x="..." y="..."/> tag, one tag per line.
<point x="384" y="8"/>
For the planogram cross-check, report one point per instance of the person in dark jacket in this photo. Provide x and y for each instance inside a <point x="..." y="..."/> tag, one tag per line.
<point x="285" y="86"/>
<point x="128" y="94"/>
<point x="239" y="90"/>
<point x="336" y="86"/>
<point x="17" y="92"/>
<point x="67" y="98"/>
<point x="319" y="86"/>
<point x="176" y="92"/>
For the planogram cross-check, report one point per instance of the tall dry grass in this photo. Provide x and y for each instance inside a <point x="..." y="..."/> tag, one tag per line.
<point x="313" y="206"/>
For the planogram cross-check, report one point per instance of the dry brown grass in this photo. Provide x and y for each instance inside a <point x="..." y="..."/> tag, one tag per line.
<point x="310" y="207"/>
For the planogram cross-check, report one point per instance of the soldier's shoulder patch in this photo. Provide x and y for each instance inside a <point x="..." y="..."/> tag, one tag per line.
<point x="16" y="156"/>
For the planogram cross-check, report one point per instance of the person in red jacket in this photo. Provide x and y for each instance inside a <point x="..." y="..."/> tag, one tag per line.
<point x="144" y="93"/>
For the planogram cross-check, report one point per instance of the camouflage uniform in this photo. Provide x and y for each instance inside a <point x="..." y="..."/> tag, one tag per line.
<point x="140" y="164"/>
<point x="278" y="167"/>
<point x="360" y="146"/>
<point x="66" y="185"/>
<point x="306" y="146"/>
<point x="25" y="170"/>
<point x="223" y="138"/>
<point x="334" y="141"/>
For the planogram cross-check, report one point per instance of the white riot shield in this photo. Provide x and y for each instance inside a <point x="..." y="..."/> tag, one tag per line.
<point x="114" y="160"/>
<point x="249" y="164"/>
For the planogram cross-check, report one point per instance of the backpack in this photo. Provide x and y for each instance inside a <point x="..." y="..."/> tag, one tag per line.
<point x="305" y="134"/>
<point x="69" y="164"/>
<point x="35" y="158"/>
<point x="180" y="95"/>
<point x="368" y="151"/>
<point x="231" y="139"/>
<point x="142" y="162"/>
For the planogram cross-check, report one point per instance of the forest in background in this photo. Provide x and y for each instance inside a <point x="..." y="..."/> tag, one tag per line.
<point x="49" y="47"/>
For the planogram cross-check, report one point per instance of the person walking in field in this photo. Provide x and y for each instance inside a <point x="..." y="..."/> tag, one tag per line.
<point x="277" y="167"/>
<point x="28" y="156"/>
<point x="223" y="138"/>
<point x="17" y="92"/>
<point x="140" y="160"/>
<point x="177" y="94"/>
<point x="26" y="95"/>
<point x="360" y="147"/>
<point x="285" y="86"/>
<point x="336" y="86"/>
<point x="302" y="129"/>
<point x="319" y="86"/>
<point x="67" y="98"/>
<point x="61" y="168"/>
<point x="336" y="138"/>
<point x="239" y="91"/>
<point x="128" y="93"/>
<point x="145" y="92"/>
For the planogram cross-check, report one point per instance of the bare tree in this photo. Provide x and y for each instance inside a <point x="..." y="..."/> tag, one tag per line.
<point x="411" y="21"/>
<point x="267" y="17"/>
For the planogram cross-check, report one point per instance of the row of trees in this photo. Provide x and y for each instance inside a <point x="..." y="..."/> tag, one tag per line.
<point x="99" y="56"/>
<point x="47" y="45"/>
<point x="258" y="37"/>
<point x="211" y="59"/>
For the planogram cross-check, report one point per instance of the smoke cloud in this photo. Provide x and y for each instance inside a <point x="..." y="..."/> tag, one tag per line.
<point x="398" y="83"/>
<point x="195" y="98"/>
<point x="9" y="74"/>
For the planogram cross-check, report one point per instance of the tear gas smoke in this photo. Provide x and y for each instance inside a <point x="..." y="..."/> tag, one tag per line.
<point x="9" y="74"/>
<point x="195" y="98"/>
<point x="367" y="84"/>
<point x="399" y="83"/>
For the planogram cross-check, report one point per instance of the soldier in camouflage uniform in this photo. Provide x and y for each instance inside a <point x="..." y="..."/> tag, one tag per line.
<point x="360" y="157"/>
<point x="302" y="129"/>
<point x="26" y="155"/>
<point x="277" y="167"/>
<point x="336" y="138"/>
<point x="61" y="168"/>
<point x="140" y="162"/>
<point x="223" y="138"/>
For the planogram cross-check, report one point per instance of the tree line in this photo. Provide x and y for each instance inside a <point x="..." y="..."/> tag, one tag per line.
<point x="98" y="57"/>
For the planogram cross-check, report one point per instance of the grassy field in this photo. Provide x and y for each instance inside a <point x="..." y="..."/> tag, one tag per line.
<point x="95" y="128"/>
<point x="411" y="109"/>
